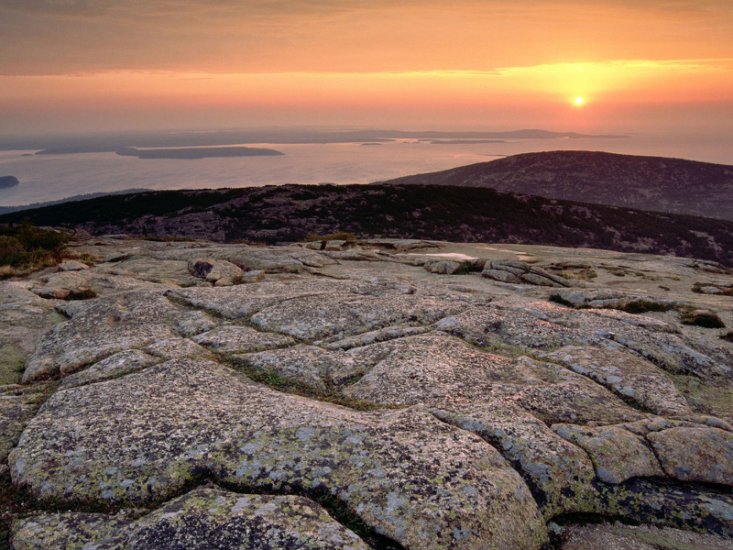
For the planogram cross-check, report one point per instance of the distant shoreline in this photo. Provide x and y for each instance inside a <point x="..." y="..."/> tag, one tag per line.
<point x="193" y="153"/>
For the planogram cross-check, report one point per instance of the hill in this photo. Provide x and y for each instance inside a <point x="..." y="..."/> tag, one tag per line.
<point x="648" y="183"/>
<point x="289" y="213"/>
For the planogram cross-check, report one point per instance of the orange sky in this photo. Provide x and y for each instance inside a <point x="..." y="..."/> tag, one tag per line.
<point x="144" y="64"/>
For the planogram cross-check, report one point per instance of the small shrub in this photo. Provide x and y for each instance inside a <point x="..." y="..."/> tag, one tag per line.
<point x="26" y="247"/>
<point x="11" y="250"/>
<point x="701" y="318"/>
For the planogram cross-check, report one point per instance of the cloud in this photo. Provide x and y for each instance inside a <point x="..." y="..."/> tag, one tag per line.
<point x="87" y="36"/>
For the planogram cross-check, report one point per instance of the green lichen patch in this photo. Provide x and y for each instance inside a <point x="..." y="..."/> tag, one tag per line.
<point x="292" y="385"/>
<point x="12" y="364"/>
<point x="714" y="397"/>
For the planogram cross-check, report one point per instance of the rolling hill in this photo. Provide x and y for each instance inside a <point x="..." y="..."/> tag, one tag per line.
<point x="647" y="183"/>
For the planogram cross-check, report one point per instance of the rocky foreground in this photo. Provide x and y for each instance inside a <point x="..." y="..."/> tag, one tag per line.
<point x="388" y="394"/>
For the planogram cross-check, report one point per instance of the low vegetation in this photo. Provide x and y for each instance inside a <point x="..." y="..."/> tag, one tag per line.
<point x="701" y="318"/>
<point x="25" y="248"/>
<point x="292" y="213"/>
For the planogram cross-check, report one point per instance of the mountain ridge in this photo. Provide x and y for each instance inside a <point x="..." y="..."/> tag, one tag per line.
<point x="653" y="183"/>
<point x="276" y="214"/>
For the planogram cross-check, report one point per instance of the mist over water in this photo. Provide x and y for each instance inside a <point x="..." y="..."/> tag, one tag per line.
<point x="52" y="177"/>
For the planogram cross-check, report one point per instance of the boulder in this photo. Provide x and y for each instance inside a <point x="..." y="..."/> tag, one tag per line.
<point x="142" y="438"/>
<point x="217" y="272"/>
<point x="207" y="517"/>
<point x="517" y="272"/>
<point x="72" y="265"/>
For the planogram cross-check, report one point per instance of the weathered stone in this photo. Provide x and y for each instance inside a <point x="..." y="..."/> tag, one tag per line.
<point x="269" y="260"/>
<point x="501" y="275"/>
<point x="512" y="271"/>
<point x="176" y="348"/>
<point x="695" y="454"/>
<point x="254" y="276"/>
<point x="309" y="365"/>
<point x="243" y="301"/>
<point x="173" y="272"/>
<point x="438" y="369"/>
<point x="614" y="299"/>
<point x="194" y="322"/>
<point x="113" y="366"/>
<point x="533" y="324"/>
<point x="559" y="474"/>
<point x="446" y="267"/>
<point x="374" y="336"/>
<point x="617" y="454"/>
<point x="539" y="279"/>
<point x="670" y="504"/>
<point x="218" y="272"/>
<point x="72" y="265"/>
<point x="15" y="412"/>
<point x="101" y="328"/>
<point x="240" y="339"/>
<point x="207" y="517"/>
<point x="627" y="375"/>
<point x="141" y="438"/>
<point x="345" y="314"/>
<point x="627" y="537"/>
<point x="465" y="380"/>
<point x="24" y="317"/>
<point x="51" y="293"/>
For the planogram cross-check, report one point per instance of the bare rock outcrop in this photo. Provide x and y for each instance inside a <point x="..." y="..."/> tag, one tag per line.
<point x="351" y="403"/>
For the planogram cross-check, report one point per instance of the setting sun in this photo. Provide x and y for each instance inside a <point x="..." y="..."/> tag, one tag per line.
<point x="579" y="101"/>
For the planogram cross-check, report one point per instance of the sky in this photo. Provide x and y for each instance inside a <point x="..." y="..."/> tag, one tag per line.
<point x="103" y="65"/>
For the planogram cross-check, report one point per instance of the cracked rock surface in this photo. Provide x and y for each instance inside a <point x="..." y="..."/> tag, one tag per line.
<point x="372" y="398"/>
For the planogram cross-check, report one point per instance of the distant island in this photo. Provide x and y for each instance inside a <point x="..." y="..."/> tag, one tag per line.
<point x="8" y="181"/>
<point x="464" y="141"/>
<point x="112" y="142"/>
<point x="197" y="152"/>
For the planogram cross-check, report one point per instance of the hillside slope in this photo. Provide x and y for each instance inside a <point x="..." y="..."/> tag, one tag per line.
<point x="648" y="183"/>
<point x="289" y="213"/>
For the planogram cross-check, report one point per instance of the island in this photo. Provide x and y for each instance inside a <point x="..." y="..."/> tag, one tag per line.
<point x="197" y="152"/>
<point x="8" y="181"/>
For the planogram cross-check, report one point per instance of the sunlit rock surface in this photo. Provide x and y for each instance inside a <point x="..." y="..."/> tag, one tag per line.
<point x="398" y="394"/>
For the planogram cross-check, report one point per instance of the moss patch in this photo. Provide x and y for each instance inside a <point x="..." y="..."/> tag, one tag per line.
<point x="12" y="364"/>
<point x="291" y="385"/>
<point x="715" y="398"/>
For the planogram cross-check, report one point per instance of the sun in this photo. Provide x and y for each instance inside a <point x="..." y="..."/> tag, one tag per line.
<point x="579" y="101"/>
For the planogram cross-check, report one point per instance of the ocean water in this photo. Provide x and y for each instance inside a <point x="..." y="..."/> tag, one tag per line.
<point x="53" y="177"/>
